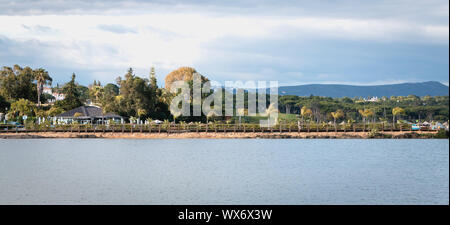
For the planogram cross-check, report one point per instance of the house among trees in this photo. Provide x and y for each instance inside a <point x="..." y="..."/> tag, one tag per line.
<point x="57" y="96"/>
<point x="371" y="99"/>
<point x="88" y="114"/>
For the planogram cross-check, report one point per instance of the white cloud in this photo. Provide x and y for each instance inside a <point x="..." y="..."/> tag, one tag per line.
<point x="144" y="41"/>
<point x="168" y="40"/>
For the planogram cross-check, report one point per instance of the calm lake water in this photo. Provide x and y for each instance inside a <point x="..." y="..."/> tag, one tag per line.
<point x="223" y="171"/>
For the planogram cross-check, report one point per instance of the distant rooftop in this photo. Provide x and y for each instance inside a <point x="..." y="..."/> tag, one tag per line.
<point x="88" y="112"/>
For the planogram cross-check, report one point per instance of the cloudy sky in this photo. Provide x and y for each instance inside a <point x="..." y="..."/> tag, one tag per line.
<point x="294" y="42"/>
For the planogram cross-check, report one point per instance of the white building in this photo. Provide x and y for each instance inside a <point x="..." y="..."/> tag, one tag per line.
<point x="47" y="90"/>
<point x="58" y="96"/>
<point x="372" y="99"/>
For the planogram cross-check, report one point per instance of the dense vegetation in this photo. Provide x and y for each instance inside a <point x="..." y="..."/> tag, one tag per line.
<point x="132" y="96"/>
<point x="136" y="97"/>
<point x="415" y="108"/>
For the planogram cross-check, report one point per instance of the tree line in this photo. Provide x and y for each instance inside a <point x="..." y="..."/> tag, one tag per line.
<point x="410" y="108"/>
<point x="132" y="96"/>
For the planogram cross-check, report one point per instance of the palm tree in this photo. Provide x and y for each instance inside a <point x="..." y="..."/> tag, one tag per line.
<point x="241" y="112"/>
<point x="166" y="124"/>
<point x="337" y="115"/>
<point x="366" y="113"/>
<point x="350" y="122"/>
<point x="210" y="114"/>
<point x="305" y="112"/>
<point x="42" y="78"/>
<point x="271" y="109"/>
<point x="141" y="113"/>
<point x="396" y="111"/>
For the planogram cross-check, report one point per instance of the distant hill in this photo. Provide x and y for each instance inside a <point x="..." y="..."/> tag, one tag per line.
<point x="432" y="88"/>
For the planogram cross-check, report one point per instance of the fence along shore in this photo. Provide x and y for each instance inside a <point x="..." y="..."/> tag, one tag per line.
<point x="210" y="128"/>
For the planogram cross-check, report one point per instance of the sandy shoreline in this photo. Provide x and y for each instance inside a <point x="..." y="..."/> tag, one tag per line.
<point x="274" y="135"/>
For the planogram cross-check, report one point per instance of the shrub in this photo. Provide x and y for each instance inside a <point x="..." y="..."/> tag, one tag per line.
<point x="374" y="133"/>
<point x="441" y="134"/>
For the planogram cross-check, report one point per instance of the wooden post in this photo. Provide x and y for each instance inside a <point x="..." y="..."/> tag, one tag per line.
<point x="131" y="128"/>
<point x="123" y="128"/>
<point x="159" y="128"/>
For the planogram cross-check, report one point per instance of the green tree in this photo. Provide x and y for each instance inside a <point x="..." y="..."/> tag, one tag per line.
<point x="97" y="92"/>
<point x="111" y="89"/>
<point x="72" y="95"/>
<point x="17" y="83"/>
<point x="135" y="96"/>
<point x="3" y="104"/>
<point x="22" y="107"/>
<point x="109" y="101"/>
<point x="53" y="111"/>
<point x="84" y="93"/>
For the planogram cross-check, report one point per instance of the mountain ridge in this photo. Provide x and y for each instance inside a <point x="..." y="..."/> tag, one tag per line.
<point x="432" y="88"/>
